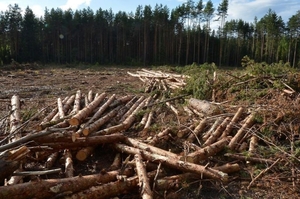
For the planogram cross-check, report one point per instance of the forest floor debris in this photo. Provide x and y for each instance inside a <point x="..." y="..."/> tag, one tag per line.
<point x="100" y="131"/>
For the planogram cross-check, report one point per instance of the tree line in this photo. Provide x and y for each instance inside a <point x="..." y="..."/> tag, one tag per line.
<point x="148" y="36"/>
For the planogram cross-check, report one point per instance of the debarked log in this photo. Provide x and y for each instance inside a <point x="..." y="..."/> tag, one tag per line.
<point x="174" y="163"/>
<point x="52" y="187"/>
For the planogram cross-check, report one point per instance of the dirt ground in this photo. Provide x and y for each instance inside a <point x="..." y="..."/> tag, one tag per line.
<point x="40" y="88"/>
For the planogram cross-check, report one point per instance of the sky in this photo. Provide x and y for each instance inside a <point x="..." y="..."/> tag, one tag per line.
<point x="237" y="9"/>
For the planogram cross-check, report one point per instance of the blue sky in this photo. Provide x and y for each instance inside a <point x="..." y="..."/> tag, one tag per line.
<point x="238" y="9"/>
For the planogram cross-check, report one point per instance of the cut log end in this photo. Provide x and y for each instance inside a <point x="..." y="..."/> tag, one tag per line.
<point x="74" y="121"/>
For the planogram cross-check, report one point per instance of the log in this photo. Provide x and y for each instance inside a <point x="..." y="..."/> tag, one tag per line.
<point x="67" y="104"/>
<point x="204" y="106"/>
<point x="85" y="141"/>
<point x="30" y="137"/>
<point x="175" y="163"/>
<point x="228" y="168"/>
<point x="69" y="169"/>
<point x="124" y="109"/>
<point x="84" y="153"/>
<point x="197" y="131"/>
<point x="144" y="185"/>
<point x="212" y="128"/>
<point x="61" y="112"/>
<point x="51" y="160"/>
<point x="52" y="113"/>
<point x="217" y="133"/>
<point x="121" y="100"/>
<point x="133" y="107"/>
<point x="143" y="146"/>
<point x="90" y="96"/>
<point x="175" y="182"/>
<point x="240" y="134"/>
<point x="101" y="110"/>
<point x="15" y="123"/>
<point x="116" y="163"/>
<point x="207" y="151"/>
<point x="84" y="113"/>
<point x="76" y="106"/>
<point x="52" y="187"/>
<point x="60" y="123"/>
<point x="10" y="161"/>
<point x="15" y="117"/>
<point x="123" y="126"/>
<point x="100" y="122"/>
<point x="159" y="136"/>
<point x="111" y="189"/>
<point x="233" y="122"/>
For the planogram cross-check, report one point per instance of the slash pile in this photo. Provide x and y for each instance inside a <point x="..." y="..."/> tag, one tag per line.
<point x="158" y="145"/>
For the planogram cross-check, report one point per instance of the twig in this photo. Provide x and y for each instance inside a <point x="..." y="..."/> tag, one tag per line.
<point x="262" y="172"/>
<point x="35" y="173"/>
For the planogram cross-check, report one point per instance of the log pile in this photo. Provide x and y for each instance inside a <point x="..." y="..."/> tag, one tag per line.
<point x="154" y="162"/>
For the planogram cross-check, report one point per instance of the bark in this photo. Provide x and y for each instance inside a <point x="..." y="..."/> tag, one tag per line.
<point x="122" y="100"/>
<point x="217" y="133"/>
<point x="203" y="106"/>
<point x="69" y="169"/>
<point x="241" y="132"/>
<point x="116" y="163"/>
<point x="159" y="136"/>
<point x="52" y="187"/>
<point x="172" y="108"/>
<point x="233" y="122"/>
<point x="100" y="122"/>
<point x="60" y="122"/>
<point x="228" y="168"/>
<point x="52" y="113"/>
<point x="144" y="185"/>
<point x="175" y="163"/>
<point x="84" y="113"/>
<point x="15" y="123"/>
<point x="30" y="137"/>
<point x="90" y="96"/>
<point x="142" y="146"/>
<point x="51" y="160"/>
<point x="212" y="128"/>
<point x="86" y="141"/>
<point x="207" y="151"/>
<point x="175" y="181"/>
<point x="124" y="125"/>
<point x="61" y="112"/>
<point x="76" y="106"/>
<point x="10" y="161"/>
<point x="101" y="110"/>
<point x="197" y="131"/>
<point x="133" y="107"/>
<point x="111" y="189"/>
<point x="124" y="109"/>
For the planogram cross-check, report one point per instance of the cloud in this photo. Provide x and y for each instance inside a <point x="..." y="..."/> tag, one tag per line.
<point x="37" y="10"/>
<point x="248" y="9"/>
<point x="75" y="4"/>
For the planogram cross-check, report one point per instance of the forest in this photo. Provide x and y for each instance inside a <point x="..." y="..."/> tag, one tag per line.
<point x="148" y="36"/>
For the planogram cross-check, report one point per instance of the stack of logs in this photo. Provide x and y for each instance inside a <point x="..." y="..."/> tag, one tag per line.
<point x="69" y="134"/>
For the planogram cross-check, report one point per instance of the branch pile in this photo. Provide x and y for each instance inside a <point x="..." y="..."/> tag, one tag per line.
<point x="136" y="143"/>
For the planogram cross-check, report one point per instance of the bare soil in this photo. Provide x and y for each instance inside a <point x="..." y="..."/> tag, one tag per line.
<point x="41" y="88"/>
